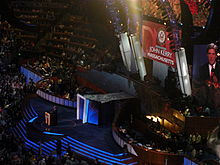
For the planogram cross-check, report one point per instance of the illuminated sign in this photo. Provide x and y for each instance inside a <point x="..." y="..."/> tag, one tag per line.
<point x="156" y="44"/>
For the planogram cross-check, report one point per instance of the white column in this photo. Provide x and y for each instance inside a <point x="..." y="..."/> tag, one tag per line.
<point x="183" y="73"/>
<point x="138" y="55"/>
<point x="127" y="53"/>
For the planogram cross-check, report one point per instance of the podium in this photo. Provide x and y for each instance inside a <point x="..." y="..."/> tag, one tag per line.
<point x="51" y="118"/>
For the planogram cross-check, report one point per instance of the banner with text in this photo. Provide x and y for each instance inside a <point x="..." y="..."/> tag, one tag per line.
<point x="156" y="44"/>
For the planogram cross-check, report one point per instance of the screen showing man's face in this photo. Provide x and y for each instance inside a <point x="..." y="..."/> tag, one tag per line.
<point x="211" y="56"/>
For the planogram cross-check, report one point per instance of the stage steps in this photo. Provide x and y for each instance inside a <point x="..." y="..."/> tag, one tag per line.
<point x="95" y="153"/>
<point x="82" y="149"/>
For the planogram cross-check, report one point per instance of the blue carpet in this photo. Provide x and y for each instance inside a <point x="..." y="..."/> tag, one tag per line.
<point x="96" y="136"/>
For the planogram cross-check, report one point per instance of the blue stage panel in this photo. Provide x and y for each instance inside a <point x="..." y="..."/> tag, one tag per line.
<point x="93" y="113"/>
<point x="188" y="162"/>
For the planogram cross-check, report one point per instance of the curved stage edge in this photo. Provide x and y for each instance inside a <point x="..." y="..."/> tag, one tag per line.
<point x="35" y="136"/>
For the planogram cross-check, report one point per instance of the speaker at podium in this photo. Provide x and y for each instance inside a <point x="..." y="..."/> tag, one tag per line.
<point x="51" y="117"/>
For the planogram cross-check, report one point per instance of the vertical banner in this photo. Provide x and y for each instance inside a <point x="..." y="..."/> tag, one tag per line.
<point x="156" y="44"/>
<point x="127" y="55"/>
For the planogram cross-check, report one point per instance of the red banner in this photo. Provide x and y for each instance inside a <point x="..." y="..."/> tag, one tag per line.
<point x="156" y="44"/>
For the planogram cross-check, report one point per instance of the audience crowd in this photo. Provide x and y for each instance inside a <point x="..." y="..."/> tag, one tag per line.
<point x="12" y="93"/>
<point x="13" y="90"/>
<point x="59" y="77"/>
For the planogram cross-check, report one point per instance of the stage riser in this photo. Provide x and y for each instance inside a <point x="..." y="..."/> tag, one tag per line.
<point x="49" y="147"/>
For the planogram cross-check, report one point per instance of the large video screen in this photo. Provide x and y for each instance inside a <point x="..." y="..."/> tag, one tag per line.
<point x="206" y="78"/>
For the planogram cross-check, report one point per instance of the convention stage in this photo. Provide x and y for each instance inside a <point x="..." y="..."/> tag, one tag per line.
<point x="87" y="141"/>
<point x="67" y="125"/>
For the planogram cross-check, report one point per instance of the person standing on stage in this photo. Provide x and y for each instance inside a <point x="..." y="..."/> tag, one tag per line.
<point x="211" y="70"/>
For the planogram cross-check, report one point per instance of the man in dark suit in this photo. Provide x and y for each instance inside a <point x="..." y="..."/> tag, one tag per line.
<point x="211" y="70"/>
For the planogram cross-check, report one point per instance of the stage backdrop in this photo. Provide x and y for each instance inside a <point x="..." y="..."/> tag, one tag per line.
<point x="156" y="44"/>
